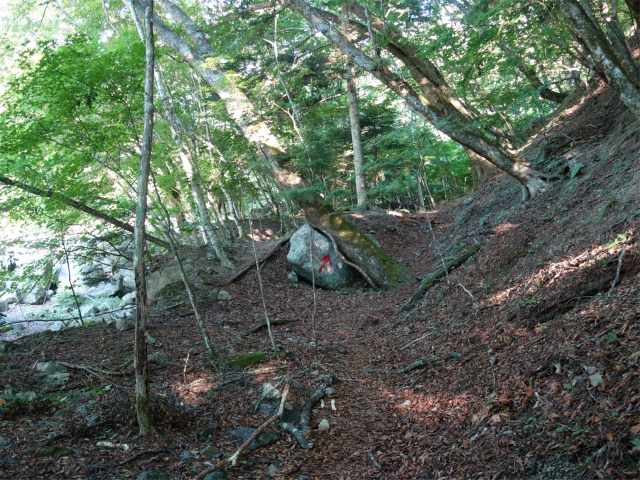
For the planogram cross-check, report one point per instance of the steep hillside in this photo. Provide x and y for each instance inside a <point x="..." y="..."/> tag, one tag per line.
<point x="531" y="348"/>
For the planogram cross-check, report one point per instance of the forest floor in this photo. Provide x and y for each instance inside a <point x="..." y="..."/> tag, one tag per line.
<point x="533" y="353"/>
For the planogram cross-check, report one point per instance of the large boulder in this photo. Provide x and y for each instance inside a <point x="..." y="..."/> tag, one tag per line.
<point x="117" y="285"/>
<point x="159" y="279"/>
<point x="329" y="271"/>
<point x="35" y="296"/>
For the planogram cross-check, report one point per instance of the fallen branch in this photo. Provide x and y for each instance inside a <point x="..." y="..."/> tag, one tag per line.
<point x="86" y="369"/>
<point x="140" y="454"/>
<point x="615" y="280"/>
<point x="417" y="340"/>
<point x="278" y="321"/>
<point x="430" y="280"/>
<point x="244" y="269"/>
<point x="76" y="431"/>
<point x="232" y="460"/>
<point x="426" y="361"/>
<point x="305" y="416"/>
<point x="297" y="434"/>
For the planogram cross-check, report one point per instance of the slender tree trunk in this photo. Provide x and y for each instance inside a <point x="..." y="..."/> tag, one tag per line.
<point x="354" y="118"/>
<point x="143" y="405"/>
<point x="602" y="54"/>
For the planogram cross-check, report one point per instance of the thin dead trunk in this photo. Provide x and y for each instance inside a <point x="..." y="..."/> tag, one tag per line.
<point x="143" y="405"/>
<point x="188" y="165"/>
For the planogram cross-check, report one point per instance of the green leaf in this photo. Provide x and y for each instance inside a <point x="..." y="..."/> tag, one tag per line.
<point x="576" y="168"/>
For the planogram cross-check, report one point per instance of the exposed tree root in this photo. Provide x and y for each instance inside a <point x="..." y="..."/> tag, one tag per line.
<point x="305" y="416"/>
<point x="430" y="280"/>
<point x="278" y="321"/>
<point x="75" y="431"/>
<point x="297" y="434"/>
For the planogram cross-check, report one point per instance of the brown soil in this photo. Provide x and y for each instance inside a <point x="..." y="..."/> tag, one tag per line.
<point x="544" y="383"/>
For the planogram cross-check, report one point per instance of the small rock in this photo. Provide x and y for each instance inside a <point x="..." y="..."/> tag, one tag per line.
<point x="323" y="425"/>
<point x="224" y="295"/>
<point x="292" y="277"/>
<point x="56" y="379"/>
<point x="213" y="293"/>
<point x="201" y="286"/>
<point x="209" y="451"/>
<point x="129" y="299"/>
<point x="89" y="310"/>
<point x="57" y="326"/>
<point x="49" y="368"/>
<point x="26" y="396"/>
<point x="123" y="324"/>
<point x="330" y="391"/>
<point x="150" y="340"/>
<point x="18" y="327"/>
<point x="187" y="455"/>
<point x="152" y="475"/>
<point x="207" y="432"/>
<point x="215" y="476"/>
<point x="158" y="357"/>
<point x="269" y="391"/>
<point x="263" y="439"/>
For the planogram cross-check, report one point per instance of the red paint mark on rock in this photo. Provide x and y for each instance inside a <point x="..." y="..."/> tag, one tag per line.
<point x="326" y="259"/>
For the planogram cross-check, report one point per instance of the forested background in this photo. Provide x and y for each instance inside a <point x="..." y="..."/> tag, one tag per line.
<point x="72" y="103"/>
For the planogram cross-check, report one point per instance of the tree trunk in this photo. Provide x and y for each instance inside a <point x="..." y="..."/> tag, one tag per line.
<point x="438" y="105"/>
<point x="143" y="406"/>
<point x="602" y="54"/>
<point x="354" y="118"/>
<point x="387" y="272"/>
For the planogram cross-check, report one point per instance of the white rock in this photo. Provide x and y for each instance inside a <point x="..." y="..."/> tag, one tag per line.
<point x="129" y="299"/>
<point x="224" y="295"/>
<point x="323" y="425"/>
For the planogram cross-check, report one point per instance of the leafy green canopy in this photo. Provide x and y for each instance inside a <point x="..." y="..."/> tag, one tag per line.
<point x="70" y="120"/>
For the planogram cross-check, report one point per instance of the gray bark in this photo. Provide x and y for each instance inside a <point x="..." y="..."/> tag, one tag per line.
<point x="602" y="54"/>
<point x="143" y="406"/>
